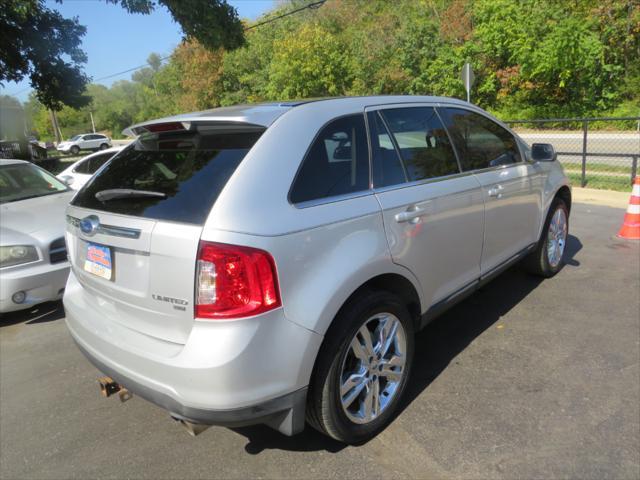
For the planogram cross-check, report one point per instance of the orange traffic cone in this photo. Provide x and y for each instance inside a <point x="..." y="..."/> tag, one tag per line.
<point x="631" y="225"/>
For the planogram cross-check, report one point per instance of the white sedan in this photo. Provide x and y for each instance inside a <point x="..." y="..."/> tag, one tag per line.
<point x="79" y="173"/>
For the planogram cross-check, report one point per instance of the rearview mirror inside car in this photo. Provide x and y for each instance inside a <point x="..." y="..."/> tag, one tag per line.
<point x="543" y="152"/>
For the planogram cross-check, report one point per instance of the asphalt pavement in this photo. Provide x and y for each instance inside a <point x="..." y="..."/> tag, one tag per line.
<point x="525" y="379"/>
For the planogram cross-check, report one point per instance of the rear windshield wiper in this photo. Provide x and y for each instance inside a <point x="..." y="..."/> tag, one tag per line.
<point x="116" y="193"/>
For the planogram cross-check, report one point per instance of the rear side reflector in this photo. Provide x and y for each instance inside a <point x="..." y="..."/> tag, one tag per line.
<point x="234" y="281"/>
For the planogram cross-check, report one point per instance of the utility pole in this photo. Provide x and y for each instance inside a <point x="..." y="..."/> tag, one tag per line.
<point x="93" y="125"/>
<point x="56" y="128"/>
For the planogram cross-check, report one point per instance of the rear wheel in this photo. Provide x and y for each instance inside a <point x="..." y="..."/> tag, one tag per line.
<point x="104" y="146"/>
<point x="546" y="259"/>
<point x="362" y="368"/>
<point x="74" y="150"/>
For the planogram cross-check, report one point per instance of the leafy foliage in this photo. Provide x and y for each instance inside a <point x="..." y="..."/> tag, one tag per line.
<point x="37" y="42"/>
<point x="531" y="58"/>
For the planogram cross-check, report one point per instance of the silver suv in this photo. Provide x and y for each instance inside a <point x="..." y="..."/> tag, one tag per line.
<point x="272" y="263"/>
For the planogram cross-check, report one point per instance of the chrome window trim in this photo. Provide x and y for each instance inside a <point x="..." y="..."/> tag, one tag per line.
<point x="425" y="181"/>
<point x="112" y="230"/>
<point x="333" y="199"/>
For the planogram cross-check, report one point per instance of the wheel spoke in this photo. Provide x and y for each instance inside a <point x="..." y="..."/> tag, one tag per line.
<point x="368" y="404"/>
<point x="375" y="400"/>
<point x="367" y="341"/>
<point x="359" y="350"/>
<point x="351" y="388"/>
<point x="387" y="335"/>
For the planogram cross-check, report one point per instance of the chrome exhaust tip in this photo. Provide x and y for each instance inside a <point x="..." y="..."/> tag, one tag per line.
<point x="192" y="429"/>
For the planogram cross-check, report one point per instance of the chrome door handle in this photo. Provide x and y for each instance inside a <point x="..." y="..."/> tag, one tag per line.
<point x="412" y="216"/>
<point x="496" y="191"/>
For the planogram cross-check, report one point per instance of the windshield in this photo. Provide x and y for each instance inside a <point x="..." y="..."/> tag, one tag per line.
<point x="169" y="176"/>
<point x="20" y="181"/>
<point x="74" y="138"/>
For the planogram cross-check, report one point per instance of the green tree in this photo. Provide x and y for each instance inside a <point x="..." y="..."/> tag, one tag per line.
<point x="311" y="62"/>
<point x="38" y="43"/>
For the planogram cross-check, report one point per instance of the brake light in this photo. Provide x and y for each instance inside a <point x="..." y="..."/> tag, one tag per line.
<point x="165" y="127"/>
<point x="234" y="281"/>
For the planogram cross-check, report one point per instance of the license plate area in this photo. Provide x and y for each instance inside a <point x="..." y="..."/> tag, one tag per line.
<point x="99" y="261"/>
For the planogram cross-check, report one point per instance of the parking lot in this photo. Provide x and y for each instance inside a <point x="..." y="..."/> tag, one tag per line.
<point x="525" y="379"/>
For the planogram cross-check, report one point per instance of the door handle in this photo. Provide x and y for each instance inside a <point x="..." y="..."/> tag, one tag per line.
<point x="412" y="215"/>
<point x="496" y="191"/>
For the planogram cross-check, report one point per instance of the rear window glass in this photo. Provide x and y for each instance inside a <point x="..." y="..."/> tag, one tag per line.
<point x="169" y="176"/>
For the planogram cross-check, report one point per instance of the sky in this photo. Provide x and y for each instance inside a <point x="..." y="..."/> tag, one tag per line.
<point x="117" y="40"/>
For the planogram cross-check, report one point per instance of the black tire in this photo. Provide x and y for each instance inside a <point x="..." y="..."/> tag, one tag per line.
<point x="75" y="150"/>
<point x="324" y="408"/>
<point x="104" y="146"/>
<point x="537" y="262"/>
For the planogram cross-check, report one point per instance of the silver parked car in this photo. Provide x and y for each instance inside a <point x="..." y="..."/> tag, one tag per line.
<point x="33" y="255"/>
<point x="272" y="263"/>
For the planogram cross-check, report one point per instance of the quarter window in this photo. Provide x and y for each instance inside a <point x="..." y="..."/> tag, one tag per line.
<point x="422" y="141"/>
<point x="337" y="162"/>
<point x="481" y="143"/>
<point x="91" y="165"/>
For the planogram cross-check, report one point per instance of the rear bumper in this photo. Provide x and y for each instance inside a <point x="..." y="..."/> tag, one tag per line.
<point x="41" y="282"/>
<point x="231" y="373"/>
<point x="285" y="413"/>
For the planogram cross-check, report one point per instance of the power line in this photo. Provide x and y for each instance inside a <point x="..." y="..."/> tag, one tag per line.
<point x="312" y="5"/>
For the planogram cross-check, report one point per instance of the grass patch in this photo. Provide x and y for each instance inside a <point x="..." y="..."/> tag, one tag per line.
<point x="598" y="167"/>
<point x="601" y="182"/>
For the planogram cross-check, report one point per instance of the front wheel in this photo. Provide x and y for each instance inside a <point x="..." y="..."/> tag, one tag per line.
<point x="74" y="150"/>
<point x="362" y="369"/>
<point x="546" y="259"/>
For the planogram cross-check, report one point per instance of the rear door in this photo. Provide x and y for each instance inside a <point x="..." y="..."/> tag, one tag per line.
<point x="511" y="187"/>
<point x="433" y="214"/>
<point x="134" y="253"/>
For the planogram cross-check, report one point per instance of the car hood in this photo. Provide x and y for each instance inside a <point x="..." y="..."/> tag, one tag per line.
<point x="34" y="216"/>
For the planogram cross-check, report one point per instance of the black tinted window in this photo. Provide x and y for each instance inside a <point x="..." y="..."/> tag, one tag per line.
<point x="481" y="143"/>
<point x="422" y="141"/>
<point x="189" y="168"/>
<point x="387" y="167"/>
<point x="91" y="165"/>
<point x="337" y="163"/>
<point x="98" y="161"/>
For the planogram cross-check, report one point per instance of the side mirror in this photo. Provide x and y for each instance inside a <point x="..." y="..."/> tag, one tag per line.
<point x="543" y="152"/>
<point x="67" y="180"/>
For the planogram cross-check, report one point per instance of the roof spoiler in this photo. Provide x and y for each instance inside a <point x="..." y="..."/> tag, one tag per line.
<point x="177" y="126"/>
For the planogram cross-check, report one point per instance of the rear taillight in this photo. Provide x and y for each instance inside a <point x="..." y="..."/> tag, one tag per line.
<point x="233" y="281"/>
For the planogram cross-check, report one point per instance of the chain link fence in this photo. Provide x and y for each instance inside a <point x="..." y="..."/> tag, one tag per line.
<point x="595" y="152"/>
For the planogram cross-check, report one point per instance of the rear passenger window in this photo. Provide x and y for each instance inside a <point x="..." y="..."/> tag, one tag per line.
<point x="91" y="165"/>
<point x="422" y="141"/>
<point x="336" y="164"/>
<point x="481" y="143"/>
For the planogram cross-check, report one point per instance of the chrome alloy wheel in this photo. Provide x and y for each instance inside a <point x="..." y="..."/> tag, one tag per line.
<point x="373" y="368"/>
<point x="556" y="237"/>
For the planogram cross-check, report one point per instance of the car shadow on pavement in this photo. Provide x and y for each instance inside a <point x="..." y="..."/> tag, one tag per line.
<point x="436" y="347"/>
<point x="441" y="341"/>
<point x="44" y="312"/>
